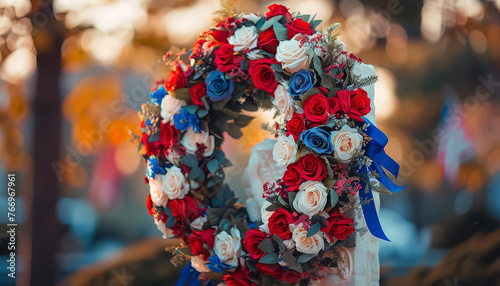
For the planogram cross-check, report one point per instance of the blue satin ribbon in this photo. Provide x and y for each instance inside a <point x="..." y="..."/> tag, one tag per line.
<point x="375" y="150"/>
<point x="188" y="273"/>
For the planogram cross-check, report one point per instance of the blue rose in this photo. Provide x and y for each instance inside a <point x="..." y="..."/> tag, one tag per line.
<point x="184" y="119"/>
<point x="317" y="140"/>
<point x="301" y="82"/>
<point x="218" y="87"/>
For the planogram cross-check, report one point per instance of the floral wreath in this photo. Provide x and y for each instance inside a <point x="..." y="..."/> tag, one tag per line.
<point x="332" y="153"/>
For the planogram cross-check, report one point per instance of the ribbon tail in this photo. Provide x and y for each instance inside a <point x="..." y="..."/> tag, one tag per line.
<point x="384" y="179"/>
<point x="369" y="209"/>
<point x="188" y="273"/>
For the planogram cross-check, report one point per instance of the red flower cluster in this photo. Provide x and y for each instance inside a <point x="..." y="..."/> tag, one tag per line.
<point x="198" y="91"/>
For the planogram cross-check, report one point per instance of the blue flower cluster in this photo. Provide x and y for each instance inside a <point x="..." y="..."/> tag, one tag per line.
<point x="184" y="119"/>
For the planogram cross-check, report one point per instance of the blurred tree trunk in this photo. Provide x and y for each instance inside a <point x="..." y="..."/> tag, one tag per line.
<point x="46" y="228"/>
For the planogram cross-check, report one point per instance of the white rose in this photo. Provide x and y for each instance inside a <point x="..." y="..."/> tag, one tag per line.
<point x="307" y="245"/>
<point x="228" y="247"/>
<point x="264" y="213"/>
<point x="345" y="142"/>
<point x="285" y="150"/>
<point x="158" y="196"/>
<point x="293" y="55"/>
<point x="167" y="232"/>
<point x="311" y="198"/>
<point x="170" y="106"/>
<point x="254" y="55"/>
<point x="198" y="222"/>
<point x="245" y="38"/>
<point x="289" y="244"/>
<point x="284" y="102"/>
<point x="175" y="184"/>
<point x="191" y="138"/>
<point x="251" y="17"/>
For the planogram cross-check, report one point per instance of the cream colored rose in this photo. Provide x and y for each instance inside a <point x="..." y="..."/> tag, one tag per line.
<point x="158" y="197"/>
<point x="170" y="106"/>
<point x="228" y="247"/>
<point x="199" y="264"/>
<point x="254" y="55"/>
<point x="173" y="157"/>
<point x="191" y="138"/>
<point x="244" y="38"/>
<point x="251" y="17"/>
<point x="284" y="102"/>
<point x="198" y="222"/>
<point x="307" y="245"/>
<point x="167" y="232"/>
<point x="265" y="215"/>
<point x="175" y="184"/>
<point x="311" y="198"/>
<point x="293" y="55"/>
<point x="285" y="150"/>
<point x="345" y="142"/>
<point x="289" y="244"/>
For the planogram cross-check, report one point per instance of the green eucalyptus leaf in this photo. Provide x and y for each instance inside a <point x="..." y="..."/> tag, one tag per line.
<point x="280" y="31"/>
<point x="313" y="229"/>
<point x="288" y="258"/>
<point x="266" y="246"/>
<point x="270" y="258"/>
<point x="317" y="64"/>
<point x="191" y="108"/>
<point x="334" y="198"/>
<point x="182" y="94"/>
<point x="212" y="165"/>
<point x="270" y="22"/>
<point x="190" y="160"/>
<point x="202" y="112"/>
<point x="305" y="257"/>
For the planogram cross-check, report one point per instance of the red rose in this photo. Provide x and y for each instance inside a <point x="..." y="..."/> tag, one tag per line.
<point x="198" y="91"/>
<point x="276" y="271"/>
<point x="334" y="103"/>
<point x="339" y="226"/>
<point x="279" y="223"/>
<point x="292" y="178"/>
<point x="168" y="135"/>
<point x="251" y="242"/>
<point x="298" y="26"/>
<point x="355" y="103"/>
<point x="316" y="109"/>
<point x="186" y="208"/>
<point x="198" y="239"/>
<point x="238" y="278"/>
<point x="152" y="148"/>
<point x="175" y="80"/>
<point x="263" y="76"/>
<point x="360" y="101"/>
<point x="220" y="35"/>
<point x="268" y="41"/>
<point x="224" y="57"/>
<point x="311" y="168"/>
<point x="295" y="126"/>
<point x="275" y="10"/>
<point x="150" y="205"/>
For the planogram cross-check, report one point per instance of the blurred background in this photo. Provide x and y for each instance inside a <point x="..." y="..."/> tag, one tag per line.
<point x="73" y="75"/>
